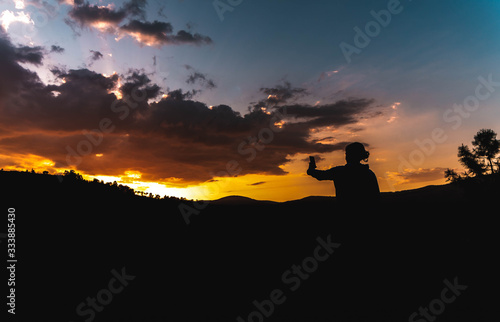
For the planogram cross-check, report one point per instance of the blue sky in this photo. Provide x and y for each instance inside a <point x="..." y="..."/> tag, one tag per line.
<point x="429" y="45"/>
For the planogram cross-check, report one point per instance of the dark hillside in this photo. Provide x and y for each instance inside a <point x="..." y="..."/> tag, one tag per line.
<point x="392" y="259"/>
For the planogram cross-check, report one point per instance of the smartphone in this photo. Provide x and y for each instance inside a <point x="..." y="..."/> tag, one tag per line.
<point x="312" y="162"/>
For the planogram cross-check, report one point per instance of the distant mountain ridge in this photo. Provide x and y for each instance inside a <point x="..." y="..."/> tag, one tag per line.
<point x="240" y="200"/>
<point x="431" y="191"/>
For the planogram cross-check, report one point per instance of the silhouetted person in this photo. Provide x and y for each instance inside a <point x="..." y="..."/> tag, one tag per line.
<point x="354" y="182"/>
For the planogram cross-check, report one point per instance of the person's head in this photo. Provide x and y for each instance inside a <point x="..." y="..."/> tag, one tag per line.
<point x="355" y="152"/>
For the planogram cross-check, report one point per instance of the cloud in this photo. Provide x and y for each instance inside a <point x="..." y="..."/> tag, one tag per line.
<point x="70" y="2"/>
<point x="26" y="54"/>
<point x="327" y="74"/>
<point x="282" y="93"/>
<point x="14" y="79"/>
<point x="342" y="112"/>
<point x="158" y="33"/>
<point x="416" y="175"/>
<point x="56" y="49"/>
<point x="103" y="18"/>
<point x="135" y="8"/>
<point x="162" y="138"/>
<point x="257" y="183"/>
<point x="202" y="79"/>
<point x="199" y="78"/>
<point x="96" y="55"/>
<point x="317" y="158"/>
<point x="19" y="4"/>
<point x="8" y="17"/>
<point x="108" y="19"/>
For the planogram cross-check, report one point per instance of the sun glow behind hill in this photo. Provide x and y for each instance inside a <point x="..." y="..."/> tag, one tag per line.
<point x="295" y="185"/>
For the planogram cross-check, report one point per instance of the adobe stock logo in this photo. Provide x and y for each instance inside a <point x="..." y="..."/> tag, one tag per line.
<point x="223" y="6"/>
<point x="293" y="278"/>
<point x="437" y="306"/>
<point x="104" y="296"/>
<point x="455" y="115"/>
<point x="362" y="38"/>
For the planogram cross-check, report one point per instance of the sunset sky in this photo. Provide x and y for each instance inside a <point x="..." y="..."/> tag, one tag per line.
<point x="204" y="99"/>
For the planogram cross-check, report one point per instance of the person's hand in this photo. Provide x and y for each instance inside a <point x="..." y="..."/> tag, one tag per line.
<point x="312" y="163"/>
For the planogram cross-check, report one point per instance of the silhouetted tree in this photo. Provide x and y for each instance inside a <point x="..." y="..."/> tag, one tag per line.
<point x="470" y="161"/>
<point x="486" y="146"/>
<point x="480" y="158"/>
<point x="72" y="175"/>
<point x="452" y="176"/>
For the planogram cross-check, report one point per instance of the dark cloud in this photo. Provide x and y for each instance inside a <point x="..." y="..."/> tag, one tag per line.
<point x="95" y="56"/>
<point x="135" y="8"/>
<point x="14" y="79"/>
<point x="180" y="95"/>
<point x="257" y="183"/>
<point x="56" y="49"/>
<point x="100" y="17"/>
<point x="276" y="96"/>
<point x="137" y="79"/>
<point x="199" y="78"/>
<point x="107" y="19"/>
<point x="334" y="114"/>
<point x="26" y="54"/>
<point x="175" y="136"/>
<point x="185" y="37"/>
<point x="202" y="79"/>
<point x="281" y="93"/>
<point x="158" y="33"/>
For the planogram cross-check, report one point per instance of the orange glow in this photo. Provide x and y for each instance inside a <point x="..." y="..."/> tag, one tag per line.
<point x="102" y="26"/>
<point x="102" y="178"/>
<point x="143" y="39"/>
<point x="116" y="89"/>
<point x="295" y="185"/>
<point x="26" y="162"/>
<point x="133" y="180"/>
<point x="279" y="124"/>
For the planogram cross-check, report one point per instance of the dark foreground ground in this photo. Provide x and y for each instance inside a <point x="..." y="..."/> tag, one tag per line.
<point x="90" y="254"/>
